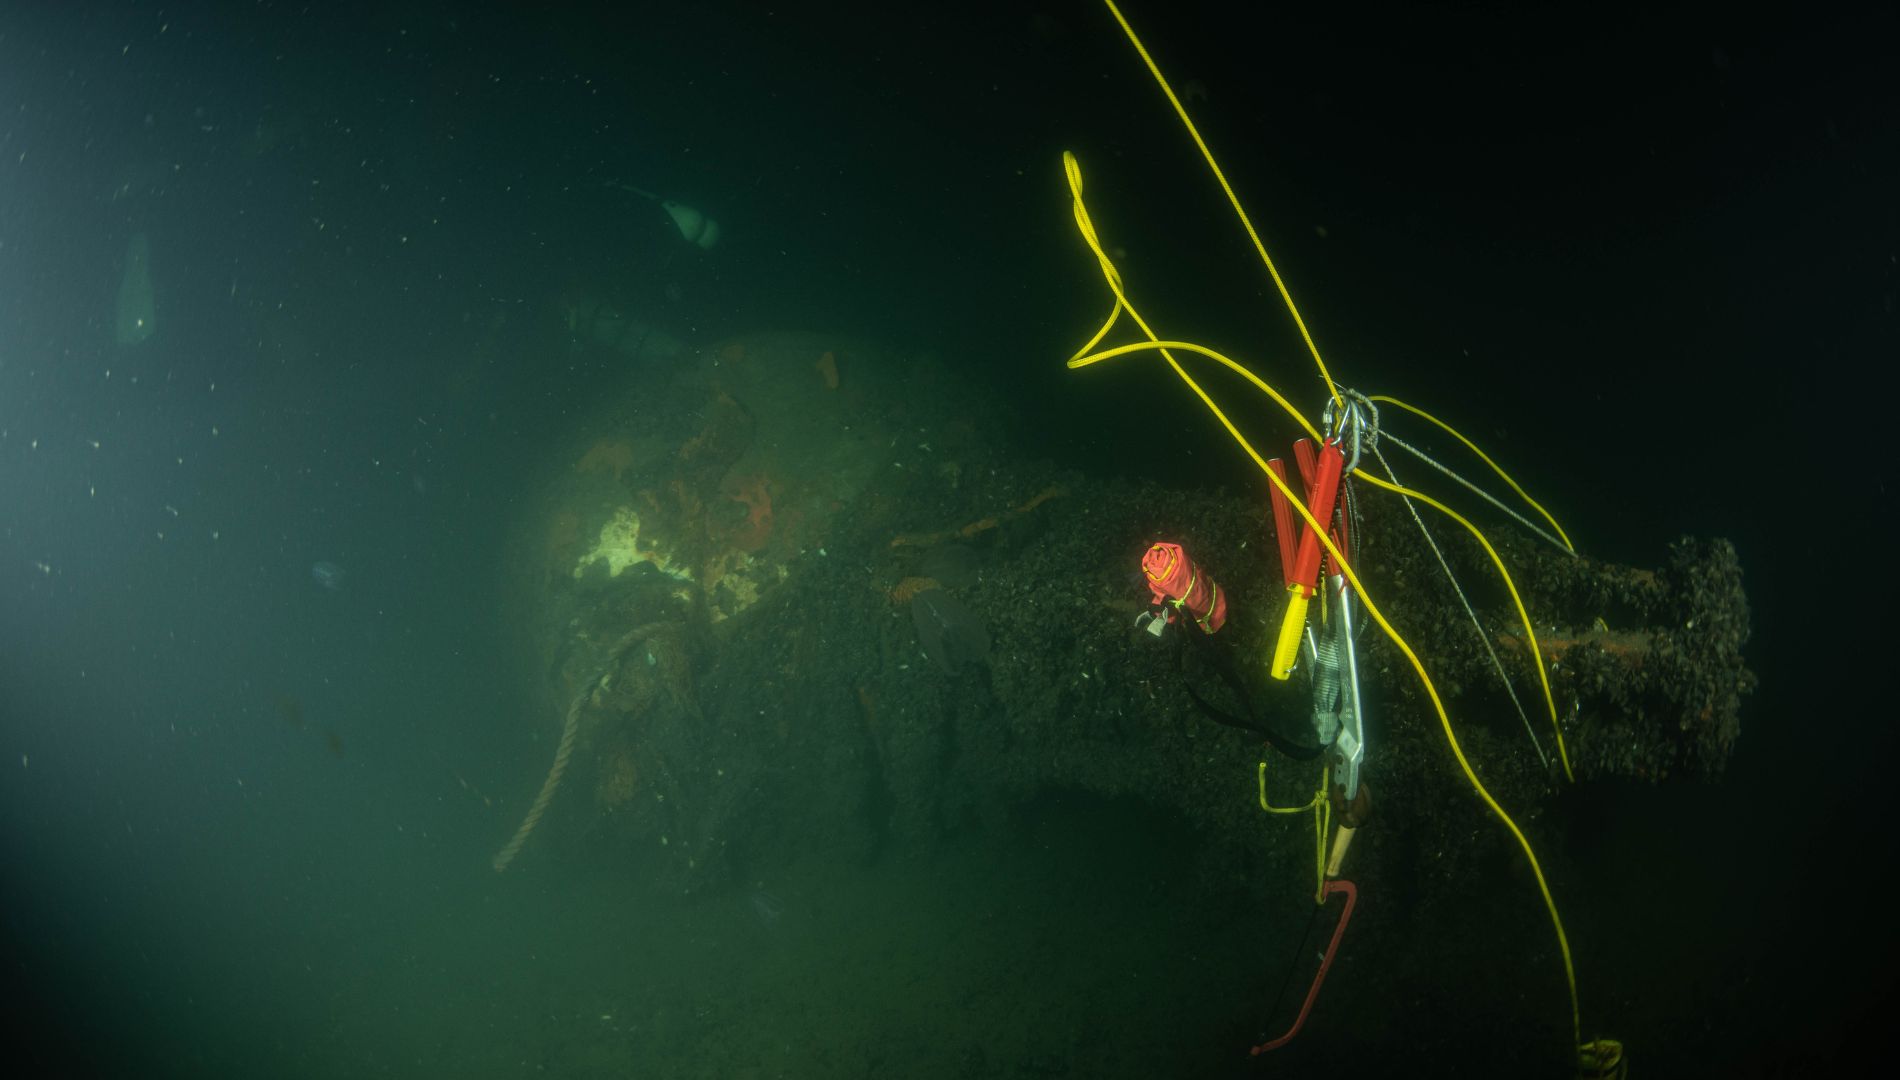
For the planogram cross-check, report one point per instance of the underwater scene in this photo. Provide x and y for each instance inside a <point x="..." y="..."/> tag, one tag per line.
<point x="1087" y="539"/>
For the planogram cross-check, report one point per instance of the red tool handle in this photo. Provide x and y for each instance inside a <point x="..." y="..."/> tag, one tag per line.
<point x="1326" y="962"/>
<point x="1301" y="564"/>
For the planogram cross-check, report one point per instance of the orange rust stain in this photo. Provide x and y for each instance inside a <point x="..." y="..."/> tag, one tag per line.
<point x="686" y="502"/>
<point x="981" y="525"/>
<point x="1631" y="648"/>
<point x="827" y="366"/>
<point x="903" y="591"/>
<point x="757" y="497"/>
<point x="1053" y="491"/>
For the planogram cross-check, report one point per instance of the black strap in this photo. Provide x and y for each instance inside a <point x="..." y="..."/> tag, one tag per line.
<point x="1222" y="661"/>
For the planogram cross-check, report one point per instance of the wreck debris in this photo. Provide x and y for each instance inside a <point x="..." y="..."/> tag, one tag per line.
<point x="592" y="691"/>
<point x="1646" y="665"/>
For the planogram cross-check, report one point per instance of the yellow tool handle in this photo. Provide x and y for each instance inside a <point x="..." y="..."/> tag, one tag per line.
<point x="1342" y="839"/>
<point x="1287" y="651"/>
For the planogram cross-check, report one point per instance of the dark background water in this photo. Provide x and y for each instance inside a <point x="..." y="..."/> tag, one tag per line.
<point x="1647" y="257"/>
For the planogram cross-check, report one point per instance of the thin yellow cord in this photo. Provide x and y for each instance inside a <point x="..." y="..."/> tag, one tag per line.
<point x="1473" y="447"/>
<point x="1318" y="796"/>
<point x="1322" y="809"/>
<point x="1232" y="199"/>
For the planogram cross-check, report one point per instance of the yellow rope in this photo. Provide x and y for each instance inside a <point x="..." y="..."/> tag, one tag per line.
<point x="1190" y="347"/>
<point x="1233" y="200"/>
<point x="1482" y="456"/>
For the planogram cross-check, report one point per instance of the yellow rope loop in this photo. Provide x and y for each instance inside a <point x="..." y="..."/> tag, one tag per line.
<point x="1260" y="247"/>
<point x="1322" y="809"/>
<point x="1087" y="354"/>
<point x="1318" y="796"/>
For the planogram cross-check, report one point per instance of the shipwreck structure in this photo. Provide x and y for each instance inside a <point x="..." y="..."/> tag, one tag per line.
<point x="795" y="599"/>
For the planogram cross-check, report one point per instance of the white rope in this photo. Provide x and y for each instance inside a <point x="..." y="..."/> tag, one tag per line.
<point x="1386" y="436"/>
<point x="1483" y="637"/>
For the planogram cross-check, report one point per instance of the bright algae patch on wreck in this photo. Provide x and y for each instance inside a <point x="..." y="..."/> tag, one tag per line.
<point x="950" y="633"/>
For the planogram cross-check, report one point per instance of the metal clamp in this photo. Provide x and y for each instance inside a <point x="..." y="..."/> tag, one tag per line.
<point x="1342" y="698"/>
<point x="1356" y="427"/>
